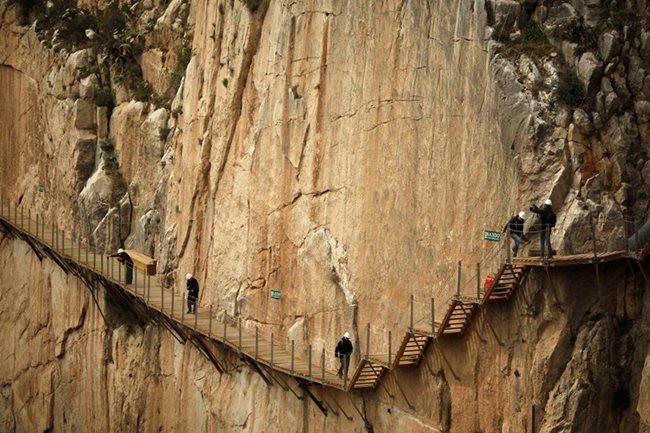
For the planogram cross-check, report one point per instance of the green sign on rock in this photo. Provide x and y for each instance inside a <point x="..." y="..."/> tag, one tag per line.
<point x="40" y="188"/>
<point x="490" y="235"/>
<point x="275" y="294"/>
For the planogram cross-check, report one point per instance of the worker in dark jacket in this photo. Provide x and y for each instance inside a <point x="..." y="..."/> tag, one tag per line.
<point x="342" y="352"/>
<point x="515" y="228"/>
<point x="125" y="259"/>
<point x="547" y="222"/>
<point x="192" y="293"/>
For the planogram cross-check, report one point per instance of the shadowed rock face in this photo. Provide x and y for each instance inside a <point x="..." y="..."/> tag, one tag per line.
<point x="346" y="154"/>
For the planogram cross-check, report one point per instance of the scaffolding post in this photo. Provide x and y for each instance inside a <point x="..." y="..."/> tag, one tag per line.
<point x="460" y="263"/>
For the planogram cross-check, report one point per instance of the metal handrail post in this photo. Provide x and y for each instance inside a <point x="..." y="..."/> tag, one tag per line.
<point x="322" y="366"/>
<point x="63" y="242"/>
<point x="225" y="325"/>
<point x="239" y="330"/>
<point x="162" y="299"/>
<point x="135" y="280"/>
<point x="593" y="239"/>
<point x="478" y="282"/>
<point x="433" y="316"/>
<point x="627" y="237"/>
<point x="119" y="274"/>
<point x="210" y="323"/>
<point x="460" y="264"/>
<point x="309" y="359"/>
<point x="636" y="236"/>
<point x="411" y="314"/>
<point x="148" y="289"/>
<point x="508" y="251"/>
<point x="367" y="340"/>
<point x="183" y="308"/>
<point x="256" y="342"/>
<point x="29" y="220"/>
<point x="292" y="356"/>
<point x="22" y="216"/>
<point x="172" y="312"/>
<point x="272" y="349"/>
<point x="346" y="363"/>
<point x="196" y="313"/>
<point x="37" y="232"/>
<point x="390" y="352"/>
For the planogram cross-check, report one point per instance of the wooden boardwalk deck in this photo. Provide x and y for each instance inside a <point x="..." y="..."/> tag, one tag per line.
<point x="262" y="353"/>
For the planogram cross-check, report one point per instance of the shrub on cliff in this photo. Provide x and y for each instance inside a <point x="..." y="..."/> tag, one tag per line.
<point x="569" y="89"/>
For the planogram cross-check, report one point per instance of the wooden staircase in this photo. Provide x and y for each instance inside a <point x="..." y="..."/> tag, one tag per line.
<point x="412" y="349"/>
<point x="367" y="375"/>
<point x="458" y="316"/>
<point x="505" y="283"/>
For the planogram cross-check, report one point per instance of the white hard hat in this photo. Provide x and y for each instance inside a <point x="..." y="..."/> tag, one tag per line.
<point x="346" y="335"/>
<point x="522" y="215"/>
<point x="548" y="202"/>
<point x="188" y="276"/>
<point x="120" y="251"/>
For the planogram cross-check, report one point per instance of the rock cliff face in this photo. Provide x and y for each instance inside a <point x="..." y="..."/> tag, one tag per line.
<point x="346" y="154"/>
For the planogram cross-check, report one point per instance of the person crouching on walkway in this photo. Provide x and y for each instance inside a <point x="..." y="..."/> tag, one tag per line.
<point x="342" y="352"/>
<point x="547" y="219"/>
<point x="192" y="293"/>
<point x="125" y="259"/>
<point x="516" y="230"/>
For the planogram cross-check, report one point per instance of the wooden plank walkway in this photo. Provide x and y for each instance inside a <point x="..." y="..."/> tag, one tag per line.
<point x="259" y="350"/>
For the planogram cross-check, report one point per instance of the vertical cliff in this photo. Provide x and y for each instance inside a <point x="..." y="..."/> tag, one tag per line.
<point x="346" y="154"/>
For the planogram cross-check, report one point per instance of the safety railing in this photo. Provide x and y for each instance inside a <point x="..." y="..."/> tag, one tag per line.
<point x="311" y="361"/>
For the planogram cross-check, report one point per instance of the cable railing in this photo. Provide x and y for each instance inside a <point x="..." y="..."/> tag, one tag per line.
<point x="243" y="331"/>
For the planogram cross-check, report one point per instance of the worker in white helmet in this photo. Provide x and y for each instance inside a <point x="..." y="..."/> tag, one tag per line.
<point x="125" y="260"/>
<point x="342" y="352"/>
<point x="515" y="229"/>
<point x="192" y="293"/>
<point x="547" y="222"/>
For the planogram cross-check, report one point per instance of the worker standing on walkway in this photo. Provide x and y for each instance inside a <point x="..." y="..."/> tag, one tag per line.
<point x="125" y="259"/>
<point x="515" y="228"/>
<point x="342" y="352"/>
<point x="192" y="293"/>
<point x="547" y="221"/>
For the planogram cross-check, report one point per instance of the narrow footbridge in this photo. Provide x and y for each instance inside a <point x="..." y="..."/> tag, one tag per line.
<point x="275" y="360"/>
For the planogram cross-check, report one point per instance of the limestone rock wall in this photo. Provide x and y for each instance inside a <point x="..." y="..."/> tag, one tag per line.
<point x="76" y="361"/>
<point x="344" y="153"/>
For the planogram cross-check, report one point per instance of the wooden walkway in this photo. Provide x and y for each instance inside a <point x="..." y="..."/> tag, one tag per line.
<point x="263" y="354"/>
